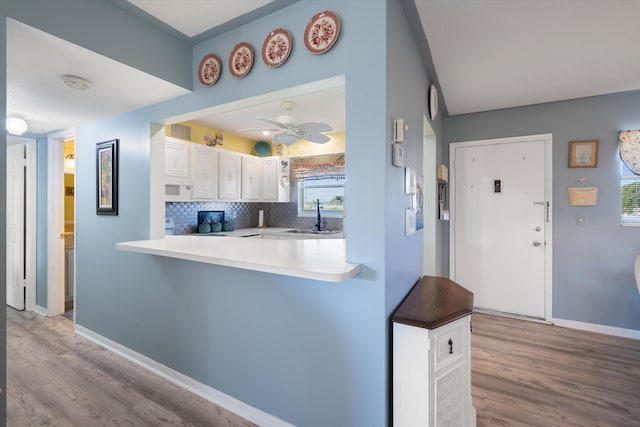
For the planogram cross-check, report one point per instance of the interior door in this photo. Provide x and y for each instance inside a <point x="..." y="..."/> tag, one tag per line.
<point x="15" y="225"/>
<point x="498" y="227"/>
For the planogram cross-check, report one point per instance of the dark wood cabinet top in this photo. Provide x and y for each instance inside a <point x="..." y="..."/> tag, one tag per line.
<point x="433" y="302"/>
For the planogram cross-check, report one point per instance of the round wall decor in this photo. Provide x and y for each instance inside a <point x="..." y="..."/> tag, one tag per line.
<point x="209" y="70"/>
<point x="322" y="32"/>
<point x="276" y="48"/>
<point x="241" y="60"/>
<point x="433" y="101"/>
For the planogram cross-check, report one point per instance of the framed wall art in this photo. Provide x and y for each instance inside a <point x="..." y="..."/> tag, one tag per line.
<point x="583" y="154"/>
<point x="107" y="177"/>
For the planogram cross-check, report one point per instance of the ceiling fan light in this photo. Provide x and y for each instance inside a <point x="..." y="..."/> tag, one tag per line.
<point x="286" y="138"/>
<point x="16" y="125"/>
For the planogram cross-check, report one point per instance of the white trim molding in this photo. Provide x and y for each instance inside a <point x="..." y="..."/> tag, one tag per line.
<point x="214" y="396"/>
<point x="601" y="329"/>
<point x="40" y="310"/>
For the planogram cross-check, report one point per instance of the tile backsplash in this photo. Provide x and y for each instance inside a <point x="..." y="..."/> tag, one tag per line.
<point x="185" y="215"/>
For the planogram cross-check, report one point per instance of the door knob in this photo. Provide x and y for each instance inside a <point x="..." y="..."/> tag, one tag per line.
<point x="536" y="243"/>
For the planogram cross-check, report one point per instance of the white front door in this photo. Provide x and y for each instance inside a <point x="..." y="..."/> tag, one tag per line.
<point x="501" y="223"/>
<point x="15" y="226"/>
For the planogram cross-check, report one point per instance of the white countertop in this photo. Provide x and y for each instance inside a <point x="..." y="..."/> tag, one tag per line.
<point x="319" y="259"/>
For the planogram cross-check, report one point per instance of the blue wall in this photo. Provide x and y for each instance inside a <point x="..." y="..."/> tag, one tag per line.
<point x="41" y="223"/>
<point x="3" y="213"/>
<point x="309" y="352"/>
<point x="592" y="264"/>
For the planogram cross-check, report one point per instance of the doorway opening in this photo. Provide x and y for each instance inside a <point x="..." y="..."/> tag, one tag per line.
<point x="69" y="226"/>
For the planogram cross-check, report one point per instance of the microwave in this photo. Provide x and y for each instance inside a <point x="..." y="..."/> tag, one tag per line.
<point x="177" y="191"/>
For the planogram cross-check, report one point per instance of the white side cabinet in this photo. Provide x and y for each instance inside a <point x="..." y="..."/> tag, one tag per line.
<point x="205" y="172"/>
<point x="432" y="366"/>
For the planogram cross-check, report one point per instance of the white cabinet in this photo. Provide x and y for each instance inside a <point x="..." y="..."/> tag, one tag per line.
<point x="205" y="172"/>
<point x="275" y="179"/>
<point x="432" y="375"/>
<point x="432" y="357"/>
<point x="229" y="175"/>
<point x="251" y="171"/>
<point x="176" y="158"/>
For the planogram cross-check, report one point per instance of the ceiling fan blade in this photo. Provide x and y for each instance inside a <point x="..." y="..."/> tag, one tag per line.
<point x="273" y="122"/>
<point x="314" y="127"/>
<point x="258" y="129"/>
<point x="318" y="138"/>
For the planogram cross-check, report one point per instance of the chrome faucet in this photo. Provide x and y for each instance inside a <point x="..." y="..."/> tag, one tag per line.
<point x="319" y="223"/>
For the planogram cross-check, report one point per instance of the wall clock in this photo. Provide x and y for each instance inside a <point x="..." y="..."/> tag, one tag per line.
<point x="209" y="70"/>
<point x="433" y="101"/>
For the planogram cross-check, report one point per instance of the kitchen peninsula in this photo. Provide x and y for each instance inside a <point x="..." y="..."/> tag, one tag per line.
<point x="318" y="259"/>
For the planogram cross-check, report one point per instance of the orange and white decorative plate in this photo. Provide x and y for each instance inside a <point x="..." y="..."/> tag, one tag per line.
<point x="322" y="32"/>
<point x="276" y="48"/>
<point x="209" y="70"/>
<point x="241" y="60"/>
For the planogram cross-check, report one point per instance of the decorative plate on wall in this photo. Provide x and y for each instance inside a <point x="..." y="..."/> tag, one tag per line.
<point x="276" y="48"/>
<point x="241" y="60"/>
<point x="209" y="70"/>
<point x="630" y="149"/>
<point x="322" y="32"/>
<point x="433" y="101"/>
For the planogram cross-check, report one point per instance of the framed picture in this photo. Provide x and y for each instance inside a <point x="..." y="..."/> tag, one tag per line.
<point x="583" y="154"/>
<point x="107" y="178"/>
<point x="409" y="181"/>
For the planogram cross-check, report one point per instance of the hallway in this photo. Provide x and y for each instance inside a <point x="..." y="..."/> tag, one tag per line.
<point x="57" y="378"/>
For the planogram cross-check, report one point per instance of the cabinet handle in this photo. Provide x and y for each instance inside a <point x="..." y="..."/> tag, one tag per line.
<point x="450" y="346"/>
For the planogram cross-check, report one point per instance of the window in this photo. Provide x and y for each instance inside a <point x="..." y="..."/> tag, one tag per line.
<point x="630" y="197"/>
<point x="329" y="193"/>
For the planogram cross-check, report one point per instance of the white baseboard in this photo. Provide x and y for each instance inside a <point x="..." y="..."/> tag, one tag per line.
<point x="236" y="406"/>
<point x="601" y="329"/>
<point x="40" y="310"/>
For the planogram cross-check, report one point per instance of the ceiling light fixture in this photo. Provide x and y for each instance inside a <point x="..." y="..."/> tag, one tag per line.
<point x="75" y="82"/>
<point x="16" y="125"/>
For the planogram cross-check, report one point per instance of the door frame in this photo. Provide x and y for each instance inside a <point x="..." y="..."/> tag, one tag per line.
<point x="548" y="188"/>
<point x="55" y="222"/>
<point x="430" y="256"/>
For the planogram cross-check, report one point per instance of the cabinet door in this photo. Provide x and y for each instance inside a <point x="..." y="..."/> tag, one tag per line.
<point x="205" y="173"/>
<point x="229" y="176"/>
<point x="450" y="396"/>
<point x="251" y="178"/>
<point x="270" y="179"/>
<point x="176" y="159"/>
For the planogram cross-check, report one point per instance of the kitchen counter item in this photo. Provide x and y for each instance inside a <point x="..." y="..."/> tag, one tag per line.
<point x="262" y="148"/>
<point x="204" y="227"/>
<point x="228" y="225"/>
<point x="216" y="227"/>
<point x="210" y="217"/>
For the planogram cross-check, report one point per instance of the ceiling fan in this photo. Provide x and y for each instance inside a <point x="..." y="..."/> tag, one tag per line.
<point x="293" y="131"/>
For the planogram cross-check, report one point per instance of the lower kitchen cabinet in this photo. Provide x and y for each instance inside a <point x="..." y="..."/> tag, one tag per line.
<point x="432" y="356"/>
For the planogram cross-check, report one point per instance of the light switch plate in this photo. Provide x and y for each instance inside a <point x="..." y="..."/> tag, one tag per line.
<point x="397" y="157"/>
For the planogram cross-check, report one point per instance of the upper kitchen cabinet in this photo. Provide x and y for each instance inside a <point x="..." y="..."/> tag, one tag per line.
<point x="229" y="175"/>
<point x="275" y="179"/>
<point x="205" y="172"/>
<point x="176" y="158"/>
<point x="251" y="177"/>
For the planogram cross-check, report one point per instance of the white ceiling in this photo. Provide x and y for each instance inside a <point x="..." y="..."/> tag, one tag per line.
<point x="36" y="62"/>
<point x="488" y="54"/>
<point x="492" y="54"/>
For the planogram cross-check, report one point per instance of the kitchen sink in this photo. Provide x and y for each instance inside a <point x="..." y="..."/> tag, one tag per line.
<point x="314" y="231"/>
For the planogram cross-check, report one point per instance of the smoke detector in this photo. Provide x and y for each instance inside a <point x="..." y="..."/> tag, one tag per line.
<point x="75" y="82"/>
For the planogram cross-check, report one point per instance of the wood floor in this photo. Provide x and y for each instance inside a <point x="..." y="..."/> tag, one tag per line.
<point x="56" y="378"/>
<point x="533" y="374"/>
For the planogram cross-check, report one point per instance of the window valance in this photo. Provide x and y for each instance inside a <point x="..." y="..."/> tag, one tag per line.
<point x="324" y="166"/>
<point x="630" y="149"/>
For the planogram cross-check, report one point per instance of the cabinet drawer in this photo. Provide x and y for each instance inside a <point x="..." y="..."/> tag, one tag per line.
<point x="450" y="344"/>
